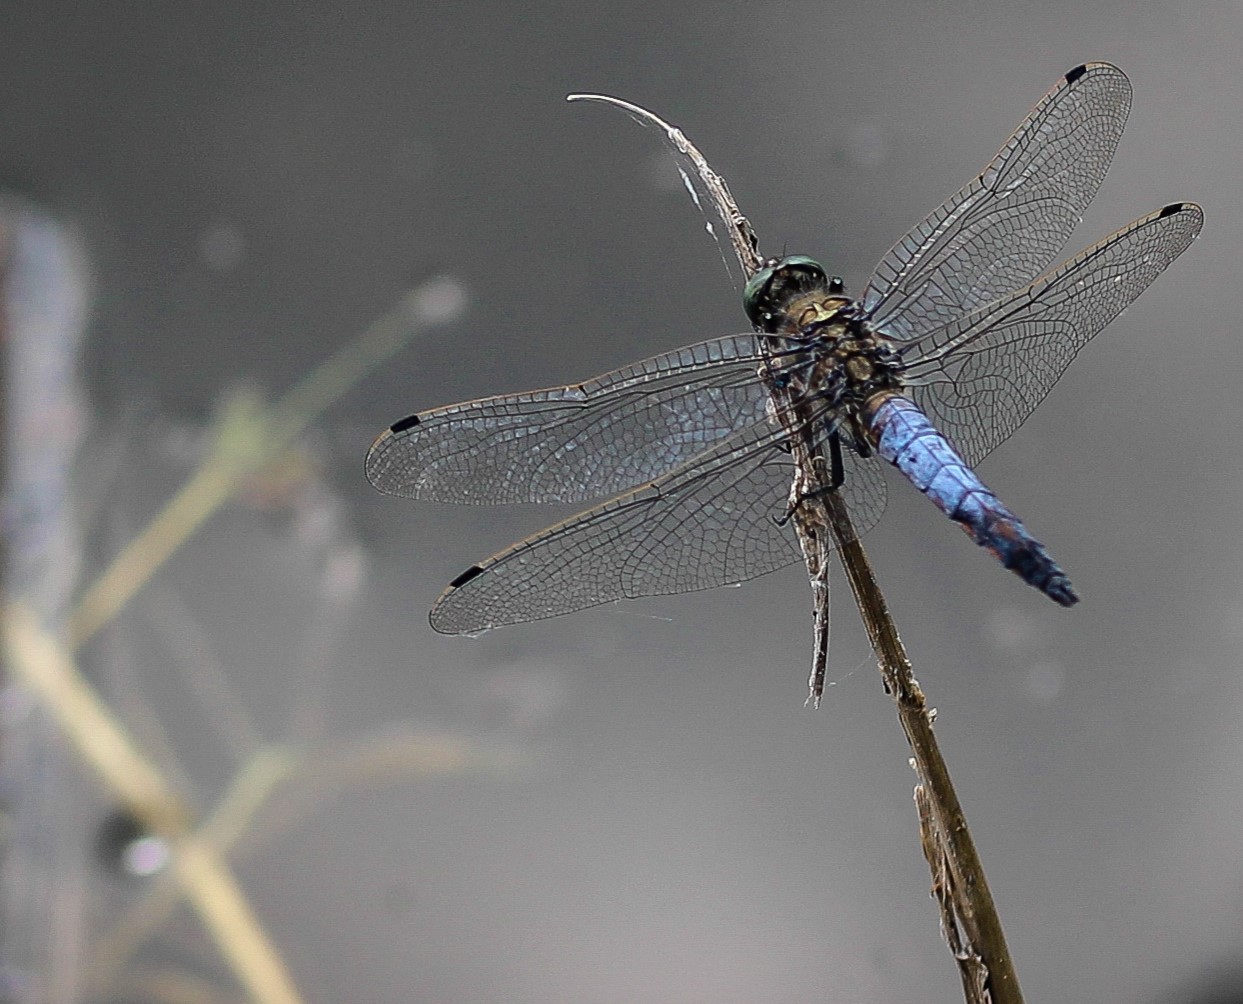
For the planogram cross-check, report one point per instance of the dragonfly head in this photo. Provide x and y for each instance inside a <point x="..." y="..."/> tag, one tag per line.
<point x="781" y="281"/>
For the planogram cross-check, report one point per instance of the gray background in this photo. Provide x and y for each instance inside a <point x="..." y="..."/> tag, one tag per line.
<point x="255" y="182"/>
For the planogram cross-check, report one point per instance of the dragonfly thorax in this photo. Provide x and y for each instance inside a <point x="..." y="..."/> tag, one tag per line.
<point x="824" y="349"/>
<point x="847" y="359"/>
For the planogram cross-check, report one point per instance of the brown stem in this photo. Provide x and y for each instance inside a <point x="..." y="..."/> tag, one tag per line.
<point x="819" y="517"/>
<point x="969" y="893"/>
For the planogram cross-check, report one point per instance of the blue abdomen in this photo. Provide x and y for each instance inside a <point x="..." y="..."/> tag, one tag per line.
<point x="904" y="436"/>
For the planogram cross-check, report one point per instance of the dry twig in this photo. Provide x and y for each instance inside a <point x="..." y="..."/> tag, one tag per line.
<point x="822" y="523"/>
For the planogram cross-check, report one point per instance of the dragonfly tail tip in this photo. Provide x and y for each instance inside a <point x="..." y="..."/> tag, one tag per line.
<point x="1061" y="591"/>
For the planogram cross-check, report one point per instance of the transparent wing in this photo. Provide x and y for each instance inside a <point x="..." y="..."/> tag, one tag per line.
<point x="1009" y="224"/>
<point x="710" y="523"/>
<point x="980" y="377"/>
<point x="576" y="443"/>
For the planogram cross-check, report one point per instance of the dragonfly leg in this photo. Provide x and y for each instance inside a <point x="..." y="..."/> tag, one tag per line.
<point x="837" y="478"/>
<point x="837" y="470"/>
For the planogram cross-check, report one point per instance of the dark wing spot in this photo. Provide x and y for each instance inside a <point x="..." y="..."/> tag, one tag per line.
<point x="404" y="424"/>
<point x="465" y="577"/>
<point x="1076" y="73"/>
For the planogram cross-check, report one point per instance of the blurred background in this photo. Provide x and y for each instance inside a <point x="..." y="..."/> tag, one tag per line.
<point x="203" y="204"/>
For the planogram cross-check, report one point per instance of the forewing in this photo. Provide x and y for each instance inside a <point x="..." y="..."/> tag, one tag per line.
<point x="1010" y="223"/>
<point x="711" y="523"/>
<point x="580" y="442"/>
<point x="980" y="377"/>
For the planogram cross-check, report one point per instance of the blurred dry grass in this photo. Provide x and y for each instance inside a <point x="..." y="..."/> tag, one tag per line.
<point x="248" y="438"/>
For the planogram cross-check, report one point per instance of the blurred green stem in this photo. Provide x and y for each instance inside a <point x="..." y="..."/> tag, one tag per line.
<point x="246" y="437"/>
<point x="36" y="659"/>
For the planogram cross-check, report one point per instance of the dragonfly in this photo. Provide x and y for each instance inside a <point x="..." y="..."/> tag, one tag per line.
<point x="962" y="330"/>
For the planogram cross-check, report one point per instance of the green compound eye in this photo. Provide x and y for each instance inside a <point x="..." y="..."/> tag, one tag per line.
<point x="756" y="290"/>
<point x="771" y="288"/>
